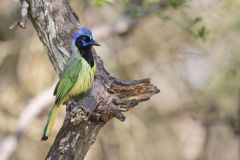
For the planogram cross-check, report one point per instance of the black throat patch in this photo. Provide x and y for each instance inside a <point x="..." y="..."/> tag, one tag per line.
<point x="86" y="52"/>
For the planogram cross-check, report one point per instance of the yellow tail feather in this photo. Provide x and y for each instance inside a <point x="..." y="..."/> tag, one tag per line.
<point x="50" y="121"/>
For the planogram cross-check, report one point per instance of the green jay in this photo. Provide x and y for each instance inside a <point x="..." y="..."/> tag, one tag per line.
<point x="77" y="76"/>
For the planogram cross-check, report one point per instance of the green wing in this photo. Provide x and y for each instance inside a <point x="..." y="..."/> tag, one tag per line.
<point x="68" y="77"/>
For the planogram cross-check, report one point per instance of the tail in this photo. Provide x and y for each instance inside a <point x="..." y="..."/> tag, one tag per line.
<point x="50" y="121"/>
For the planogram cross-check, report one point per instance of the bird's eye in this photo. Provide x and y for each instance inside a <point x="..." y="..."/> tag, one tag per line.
<point x="86" y="38"/>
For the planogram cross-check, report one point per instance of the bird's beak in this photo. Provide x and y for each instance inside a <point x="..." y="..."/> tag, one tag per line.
<point x="93" y="42"/>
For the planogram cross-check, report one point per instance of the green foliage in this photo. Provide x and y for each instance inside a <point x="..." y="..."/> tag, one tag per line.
<point x="195" y="21"/>
<point x="176" y="3"/>
<point x="137" y="10"/>
<point x="101" y="2"/>
<point x="163" y="16"/>
<point x="194" y="26"/>
<point x="198" y="28"/>
<point x="202" y="33"/>
<point x="134" y="12"/>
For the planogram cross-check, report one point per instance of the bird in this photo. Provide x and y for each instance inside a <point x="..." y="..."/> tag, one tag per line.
<point x="77" y="75"/>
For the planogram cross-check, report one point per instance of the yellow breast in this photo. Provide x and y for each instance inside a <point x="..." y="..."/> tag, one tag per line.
<point x="85" y="79"/>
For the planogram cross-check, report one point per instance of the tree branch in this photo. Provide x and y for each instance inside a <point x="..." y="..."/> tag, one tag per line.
<point x="23" y="17"/>
<point x="55" y="23"/>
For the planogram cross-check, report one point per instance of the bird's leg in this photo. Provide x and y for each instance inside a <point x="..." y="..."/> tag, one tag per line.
<point x="74" y="100"/>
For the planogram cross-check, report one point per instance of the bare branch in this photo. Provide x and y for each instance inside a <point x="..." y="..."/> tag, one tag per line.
<point x="55" y="23"/>
<point x="23" y="18"/>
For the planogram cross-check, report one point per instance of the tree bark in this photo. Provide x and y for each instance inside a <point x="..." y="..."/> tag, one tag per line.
<point x="55" y="23"/>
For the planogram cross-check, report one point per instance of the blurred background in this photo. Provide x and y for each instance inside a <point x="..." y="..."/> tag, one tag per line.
<point x="190" y="50"/>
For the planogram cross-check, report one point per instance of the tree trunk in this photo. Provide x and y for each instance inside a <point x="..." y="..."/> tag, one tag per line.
<point x="55" y="23"/>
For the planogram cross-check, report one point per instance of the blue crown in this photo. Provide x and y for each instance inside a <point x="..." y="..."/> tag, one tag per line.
<point x="83" y="31"/>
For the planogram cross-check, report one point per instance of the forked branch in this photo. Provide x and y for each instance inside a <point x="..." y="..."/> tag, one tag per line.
<point x="109" y="97"/>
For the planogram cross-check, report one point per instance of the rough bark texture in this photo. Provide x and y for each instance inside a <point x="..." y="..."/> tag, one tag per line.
<point x="55" y="22"/>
